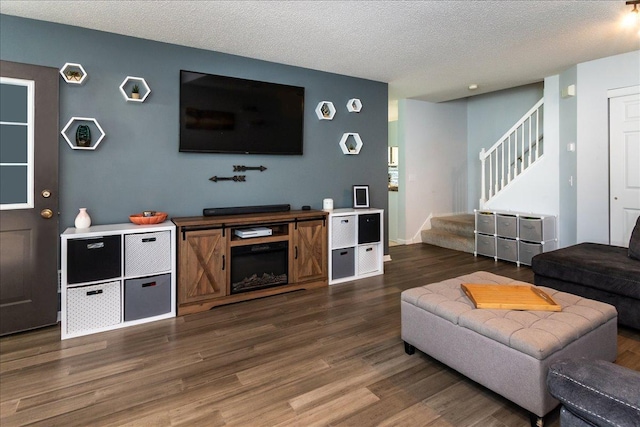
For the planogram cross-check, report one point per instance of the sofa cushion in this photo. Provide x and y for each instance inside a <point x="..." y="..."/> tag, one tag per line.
<point x="594" y="265"/>
<point x="536" y="333"/>
<point x="597" y="391"/>
<point x="634" y="242"/>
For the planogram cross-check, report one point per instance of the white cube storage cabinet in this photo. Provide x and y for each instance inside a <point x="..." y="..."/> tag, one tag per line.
<point x="114" y="276"/>
<point x="515" y="237"/>
<point x="355" y="244"/>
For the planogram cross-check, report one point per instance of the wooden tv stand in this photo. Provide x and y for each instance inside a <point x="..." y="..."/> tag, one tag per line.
<point x="204" y="246"/>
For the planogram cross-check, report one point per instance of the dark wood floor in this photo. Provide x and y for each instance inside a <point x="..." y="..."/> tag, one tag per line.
<point x="330" y="356"/>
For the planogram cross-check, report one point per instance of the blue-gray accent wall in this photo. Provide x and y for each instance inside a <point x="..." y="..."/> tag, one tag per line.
<point x="138" y="167"/>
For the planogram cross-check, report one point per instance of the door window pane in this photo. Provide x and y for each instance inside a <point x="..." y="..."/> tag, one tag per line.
<point x="13" y="103"/>
<point x="13" y="185"/>
<point x="16" y="143"/>
<point x="13" y="144"/>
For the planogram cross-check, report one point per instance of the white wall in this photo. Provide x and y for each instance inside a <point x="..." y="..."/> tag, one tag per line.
<point x="594" y="79"/>
<point x="536" y="190"/>
<point x="433" y="167"/>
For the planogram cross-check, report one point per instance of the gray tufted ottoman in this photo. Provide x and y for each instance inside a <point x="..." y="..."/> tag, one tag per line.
<point x="507" y="351"/>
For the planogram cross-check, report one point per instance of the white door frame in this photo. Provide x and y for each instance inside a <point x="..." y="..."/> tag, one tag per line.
<point x="615" y="93"/>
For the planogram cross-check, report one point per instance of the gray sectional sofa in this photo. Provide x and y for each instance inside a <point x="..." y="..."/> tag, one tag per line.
<point x="605" y="273"/>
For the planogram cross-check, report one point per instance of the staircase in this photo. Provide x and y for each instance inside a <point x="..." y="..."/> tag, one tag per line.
<point x="452" y="232"/>
<point x="518" y="149"/>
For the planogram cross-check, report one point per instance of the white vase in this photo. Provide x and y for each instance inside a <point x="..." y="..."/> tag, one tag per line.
<point x="83" y="220"/>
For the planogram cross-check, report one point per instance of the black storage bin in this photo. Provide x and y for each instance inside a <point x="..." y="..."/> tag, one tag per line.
<point x="93" y="259"/>
<point x="147" y="297"/>
<point x="343" y="263"/>
<point x="368" y="228"/>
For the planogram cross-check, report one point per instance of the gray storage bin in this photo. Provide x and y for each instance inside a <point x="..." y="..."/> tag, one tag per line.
<point x="147" y="253"/>
<point x="485" y="245"/>
<point x="531" y="229"/>
<point x="507" y="249"/>
<point x="343" y="231"/>
<point x="507" y="225"/>
<point x="485" y="223"/>
<point x="528" y="251"/>
<point x="147" y="297"/>
<point x="343" y="263"/>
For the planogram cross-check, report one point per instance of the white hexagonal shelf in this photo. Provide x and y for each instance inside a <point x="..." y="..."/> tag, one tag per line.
<point x="351" y="143"/>
<point x="73" y="73"/>
<point x="70" y="126"/>
<point x="354" y="105"/>
<point x="325" y="110"/>
<point x="128" y="85"/>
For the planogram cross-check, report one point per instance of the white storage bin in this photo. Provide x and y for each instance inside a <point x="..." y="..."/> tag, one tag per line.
<point x="368" y="256"/>
<point x="147" y="253"/>
<point x="343" y="231"/>
<point x="93" y="307"/>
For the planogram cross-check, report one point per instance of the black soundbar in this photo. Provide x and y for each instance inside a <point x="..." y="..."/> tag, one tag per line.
<point x="245" y="210"/>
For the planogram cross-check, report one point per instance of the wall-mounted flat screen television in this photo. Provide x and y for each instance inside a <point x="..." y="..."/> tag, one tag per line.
<point x="220" y="114"/>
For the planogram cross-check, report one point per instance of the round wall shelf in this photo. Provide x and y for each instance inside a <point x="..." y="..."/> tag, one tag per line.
<point x="351" y="143"/>
<point x="72" y="128"/>
<point x="354" y="105"/>
<point x="73" y="73"/>
<point x="325" y="110"/>
<point x="127" y="85"/>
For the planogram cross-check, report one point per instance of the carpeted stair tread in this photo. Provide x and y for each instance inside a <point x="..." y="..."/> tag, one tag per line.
<point x="448" y="240"/>
<point x="462" y="225"/>
<point x="451" y="232"/>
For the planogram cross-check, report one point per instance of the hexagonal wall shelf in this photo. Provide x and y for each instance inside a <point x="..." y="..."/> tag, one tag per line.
<point x="73" y="73"/>
<point x="351" y="143"/>
<point x="72" y="125"/>
<point x="127" y="86"/>
<point x="354" y="105"/>
<point x="325" y="110"/>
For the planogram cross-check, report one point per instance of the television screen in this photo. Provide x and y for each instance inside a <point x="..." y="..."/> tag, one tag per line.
<point x="220" y="114"/>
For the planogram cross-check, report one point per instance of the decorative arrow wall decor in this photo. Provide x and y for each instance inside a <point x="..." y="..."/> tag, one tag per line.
<point x="242" y="168"/>
<point x="235" y="178"/>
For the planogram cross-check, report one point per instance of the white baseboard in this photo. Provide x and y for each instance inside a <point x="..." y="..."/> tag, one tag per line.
<point x="387" y="258"/>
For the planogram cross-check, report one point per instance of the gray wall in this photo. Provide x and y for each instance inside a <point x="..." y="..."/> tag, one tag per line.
<point x="138" y="167"/>
<point x="489" y="116"/>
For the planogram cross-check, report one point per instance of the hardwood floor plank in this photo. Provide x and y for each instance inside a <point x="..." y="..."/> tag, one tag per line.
<point x="329" y="356"/>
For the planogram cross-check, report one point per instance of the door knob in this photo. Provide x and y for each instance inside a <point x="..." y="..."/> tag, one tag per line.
<point x="46" y="213"/>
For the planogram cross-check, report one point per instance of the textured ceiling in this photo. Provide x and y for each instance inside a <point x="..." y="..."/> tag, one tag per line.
<point x="429" y="50"/>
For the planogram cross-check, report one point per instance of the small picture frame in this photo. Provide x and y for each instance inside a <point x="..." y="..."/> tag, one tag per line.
<point x="360" y="196"/>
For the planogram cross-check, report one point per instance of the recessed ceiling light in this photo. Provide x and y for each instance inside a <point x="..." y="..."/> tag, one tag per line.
<point x="473" y="86"/>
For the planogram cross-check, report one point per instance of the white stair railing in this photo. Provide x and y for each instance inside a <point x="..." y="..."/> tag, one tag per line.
<point x="519" y="148"/>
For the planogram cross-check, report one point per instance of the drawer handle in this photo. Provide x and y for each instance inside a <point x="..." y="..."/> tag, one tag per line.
<point x="146" y="285"/>
<point x="368" y="249"/>
<point x="345" y="221"/>
<point x="344" y="253"/>
<point x="529" y="227"/>
<point x="95" y="245"/>
<point x="148" y="239"/>
<point x="96" y="292"/>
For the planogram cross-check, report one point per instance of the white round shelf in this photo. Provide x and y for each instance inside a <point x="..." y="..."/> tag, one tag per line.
<point x="73" y="73"/>
<point x="127" y="86"/>
<point x="72" y="125"/>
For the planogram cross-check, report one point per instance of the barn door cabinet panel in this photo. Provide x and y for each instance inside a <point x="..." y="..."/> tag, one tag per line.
<point x="118" y="275"/>
<point x="212" y="250"/>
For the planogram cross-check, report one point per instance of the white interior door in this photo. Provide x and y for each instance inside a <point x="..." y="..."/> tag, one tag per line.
<point x="624" y="166"/>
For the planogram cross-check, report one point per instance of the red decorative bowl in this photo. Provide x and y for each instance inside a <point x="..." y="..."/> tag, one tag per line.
<point x="140" y="219"/>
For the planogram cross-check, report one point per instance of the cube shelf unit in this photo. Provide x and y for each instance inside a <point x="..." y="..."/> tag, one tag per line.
<point x="513" y="236"/>
<point x="355" y="244"/>
<point x="118" y="275"/>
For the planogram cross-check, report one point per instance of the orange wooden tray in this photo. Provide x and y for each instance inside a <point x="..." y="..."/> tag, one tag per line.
<point x="509" y="297"/>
